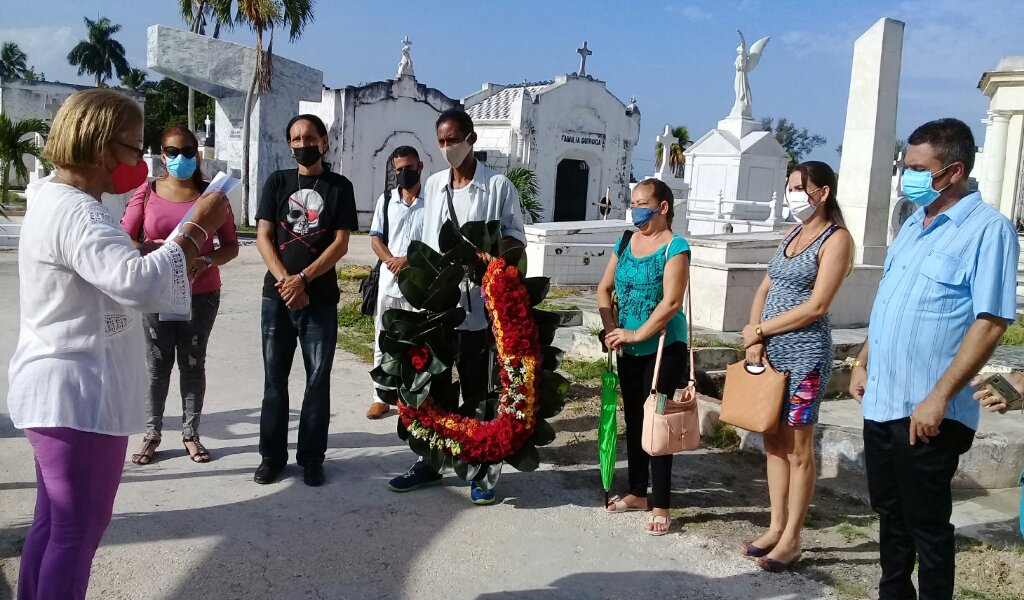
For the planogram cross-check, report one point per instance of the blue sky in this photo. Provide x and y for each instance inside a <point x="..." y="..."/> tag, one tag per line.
<point x="675" y="56"/>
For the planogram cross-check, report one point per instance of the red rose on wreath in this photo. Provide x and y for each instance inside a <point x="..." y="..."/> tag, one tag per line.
<point x="420" y="357"/>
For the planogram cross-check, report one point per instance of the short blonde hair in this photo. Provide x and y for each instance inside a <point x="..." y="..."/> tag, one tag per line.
<point x="87" y="122"/>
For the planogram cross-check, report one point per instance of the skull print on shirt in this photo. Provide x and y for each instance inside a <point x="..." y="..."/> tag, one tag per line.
<point x="304" y="208"/>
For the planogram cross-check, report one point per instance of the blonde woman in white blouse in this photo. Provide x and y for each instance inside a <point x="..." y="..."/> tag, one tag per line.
<point x="77" y="382"/>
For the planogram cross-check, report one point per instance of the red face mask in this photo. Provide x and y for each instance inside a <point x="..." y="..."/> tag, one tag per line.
<point x="127" y="178"/>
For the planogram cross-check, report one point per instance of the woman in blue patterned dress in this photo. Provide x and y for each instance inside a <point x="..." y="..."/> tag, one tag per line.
<point x="789" y="321"/>
<point x="649" y="272"/>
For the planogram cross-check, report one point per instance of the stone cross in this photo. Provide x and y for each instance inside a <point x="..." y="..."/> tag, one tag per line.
<point x="208" y="123"/>
<point x="666" y="139"/>
<point x="584" y="52"/>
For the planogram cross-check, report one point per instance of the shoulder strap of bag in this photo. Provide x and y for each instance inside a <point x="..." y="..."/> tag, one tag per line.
<point x="145" y="201"/>
<point x="387" y="209"/>
<point x="626" y="236"/>
<point x="451" y="205"/>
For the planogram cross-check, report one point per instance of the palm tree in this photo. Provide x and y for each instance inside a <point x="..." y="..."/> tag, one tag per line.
<point x="12" y="60"/>
<point x="100" y="55"/>
<point x="525" y="182"/>
<point x="676" y="158"/>
<point x="31" y="75"/>
<point x="135" y="80"/>
<point x="261" y="16"/>
<point x="17" y="141"/>
<point x="197" y="14"/>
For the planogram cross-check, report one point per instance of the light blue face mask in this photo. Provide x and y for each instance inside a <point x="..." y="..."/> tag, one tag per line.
<point x="917" y="186"/>
<point x="642" y="216"/>
<point x="180" y="167"/>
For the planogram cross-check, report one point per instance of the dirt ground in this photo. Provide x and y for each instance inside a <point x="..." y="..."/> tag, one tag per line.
<point x="724" y="493"/>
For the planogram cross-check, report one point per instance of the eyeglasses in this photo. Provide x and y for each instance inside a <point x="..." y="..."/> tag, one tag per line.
<point x="140" y="152"/>
<point x="187" y="151"/>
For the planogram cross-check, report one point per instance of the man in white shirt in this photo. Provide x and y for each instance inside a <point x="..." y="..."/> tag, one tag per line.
<point x="397" y="220"/>
<point x="476" y="193"/>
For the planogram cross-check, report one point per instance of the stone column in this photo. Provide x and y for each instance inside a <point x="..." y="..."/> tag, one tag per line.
<point x="995" y="156"/>
<point x="866" y="167"/>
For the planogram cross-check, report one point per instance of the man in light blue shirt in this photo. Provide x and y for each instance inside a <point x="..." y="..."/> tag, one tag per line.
<point x="947" y="294"/>
<point x="397" y="221"/>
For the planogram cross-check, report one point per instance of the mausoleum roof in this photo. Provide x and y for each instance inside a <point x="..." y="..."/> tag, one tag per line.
<point x="499" y="106"/>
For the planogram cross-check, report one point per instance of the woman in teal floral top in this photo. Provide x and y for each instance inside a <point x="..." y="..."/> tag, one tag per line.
<point x="649" y="271"/>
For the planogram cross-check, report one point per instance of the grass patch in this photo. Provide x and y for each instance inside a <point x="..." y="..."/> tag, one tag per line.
<point x="584" y="371"/>
<point x="724" y="437"/>
<point x="707" y="341"/>
<point x="557" y="293"/>
<point x="851" y="533"/>
<point x="966" y="593"/>
<point x="549" y="305"/>
<point x="1014" y="335"/>
<point x="353" y="272"/>
<point x="246" y="229"/>
<point x="848" y="589"/>
<point x="355" y="331"/>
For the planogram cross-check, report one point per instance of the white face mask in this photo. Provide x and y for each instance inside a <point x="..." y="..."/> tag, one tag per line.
<point x="800" y="205"/>
<point x="456" y="155"/>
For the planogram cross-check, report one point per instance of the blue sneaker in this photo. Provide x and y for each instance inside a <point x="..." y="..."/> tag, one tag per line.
<point x="477" y="495"/>
<point x="415" y="478"/>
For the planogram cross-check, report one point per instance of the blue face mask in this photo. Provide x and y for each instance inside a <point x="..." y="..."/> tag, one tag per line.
<point x="180" y="167"/>
<point x="917" y="186"/>
<point x="642" y="216"/>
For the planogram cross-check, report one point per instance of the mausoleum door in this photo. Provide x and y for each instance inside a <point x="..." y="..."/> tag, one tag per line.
<point x="571" y="182"/>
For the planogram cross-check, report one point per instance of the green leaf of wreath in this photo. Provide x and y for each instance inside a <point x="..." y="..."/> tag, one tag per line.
<point x="552" y="383"/>
<point x="543" y="433"/>
<point x="467" y="471"/>
<point x="516" y="256"/>
<point x="413" y="399"/>
<point x="526" y="460"/>
<point x="450" y="238"/>
<point x="436" y="367"/>
<point x="414" y="283"/>
<point x="381" y="378"/>
<point x="538" y="288"/>
<point x="391" y="366"/>
<point x="550" y="406"/>
<point x="487" y="478"/>
<point x="424" y="257"/>
<point x="552" y="358"/>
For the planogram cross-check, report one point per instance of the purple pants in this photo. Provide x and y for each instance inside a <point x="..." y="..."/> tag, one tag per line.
<point x="77" y="475"/>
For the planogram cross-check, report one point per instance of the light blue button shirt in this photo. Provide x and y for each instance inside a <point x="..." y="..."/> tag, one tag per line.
<point x="936" y="282"/>
<point x="405" y="224"/>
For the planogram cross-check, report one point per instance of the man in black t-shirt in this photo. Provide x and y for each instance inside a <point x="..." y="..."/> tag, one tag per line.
<point x="305" y="217"/>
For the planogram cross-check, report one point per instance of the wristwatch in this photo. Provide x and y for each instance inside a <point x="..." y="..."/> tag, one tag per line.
<point x="758" y="331"/>
<point x="208" y="261"/>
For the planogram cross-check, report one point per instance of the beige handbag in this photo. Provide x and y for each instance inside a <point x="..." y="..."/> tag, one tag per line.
<point x="753" y="396"/>
<point x="676" y="426"/>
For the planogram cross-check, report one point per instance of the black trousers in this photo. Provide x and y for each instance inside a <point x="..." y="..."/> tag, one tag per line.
<point x="909" y="487"/>
<point x="636" y="373"/>
<point x="475" y="369"/>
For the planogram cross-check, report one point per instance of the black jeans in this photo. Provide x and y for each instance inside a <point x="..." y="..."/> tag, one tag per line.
<point x="187" y="339"/>
<point x="315" y="330"/>
<point x="475" y="371"/>
<point x="636" y="374"/>
<point x="909" y="487"/>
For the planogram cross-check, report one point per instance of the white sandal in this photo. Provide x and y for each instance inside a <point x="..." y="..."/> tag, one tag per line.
<point x="618" y="505"/>
<point x="658" y="520"/>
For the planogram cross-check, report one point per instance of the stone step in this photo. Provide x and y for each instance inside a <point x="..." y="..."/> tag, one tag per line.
<point x="993" y="462"/>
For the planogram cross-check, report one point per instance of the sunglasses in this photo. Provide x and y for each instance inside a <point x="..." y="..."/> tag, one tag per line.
<point x="187" y="151"/>
<point x="138" y="151"/>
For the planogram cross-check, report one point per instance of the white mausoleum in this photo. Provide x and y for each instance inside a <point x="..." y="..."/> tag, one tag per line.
<point x="1000" y="168"/>
<point x="574" y="134"/>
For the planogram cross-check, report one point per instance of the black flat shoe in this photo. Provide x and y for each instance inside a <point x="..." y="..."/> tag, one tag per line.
<point x="267" y="472"/>
<point x="313" y="475"/>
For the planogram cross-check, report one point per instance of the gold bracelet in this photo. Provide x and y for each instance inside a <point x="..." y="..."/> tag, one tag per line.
<point x="856" y="363"/>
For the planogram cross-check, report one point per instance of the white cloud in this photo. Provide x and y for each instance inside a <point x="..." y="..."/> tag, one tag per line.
<point x="46" y="47"/>
<point x="691" y="12"/>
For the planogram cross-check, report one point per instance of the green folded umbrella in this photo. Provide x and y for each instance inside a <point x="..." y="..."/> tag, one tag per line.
<point x="608" y="430"/>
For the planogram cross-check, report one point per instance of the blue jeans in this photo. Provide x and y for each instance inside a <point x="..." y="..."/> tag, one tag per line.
<point x="315" y="330"/>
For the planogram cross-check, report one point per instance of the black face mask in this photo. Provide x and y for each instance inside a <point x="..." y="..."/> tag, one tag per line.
<point x="307" y="156"/>
<point x="407" y="178"/>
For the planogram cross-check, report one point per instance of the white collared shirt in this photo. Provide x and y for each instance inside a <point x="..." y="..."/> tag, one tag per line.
<point x="81" y="356"/>
<point x="490" y="196"/>
<point x="405" y="224"/>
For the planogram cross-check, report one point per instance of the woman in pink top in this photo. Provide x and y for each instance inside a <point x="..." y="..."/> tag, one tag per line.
<point x="152" y="214"/>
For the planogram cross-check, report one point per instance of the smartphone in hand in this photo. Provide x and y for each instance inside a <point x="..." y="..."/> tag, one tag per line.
<point x="1000" y="387"/>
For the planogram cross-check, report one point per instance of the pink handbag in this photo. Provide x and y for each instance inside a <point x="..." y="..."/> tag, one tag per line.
<point x="674" y="426"/>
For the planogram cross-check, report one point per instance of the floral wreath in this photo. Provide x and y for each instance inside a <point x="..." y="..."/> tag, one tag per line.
<point x="508" y="425"/>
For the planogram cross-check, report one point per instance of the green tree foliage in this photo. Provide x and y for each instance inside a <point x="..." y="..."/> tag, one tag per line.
<point x="17" y="141"/>
<point x="676" y="158"/>
<point x="797" y="142"/>
<point x="99" y="54"/>
<point x="12" y="61"/>
<point x="166" y="105"/>
<point x="525" y="182"/>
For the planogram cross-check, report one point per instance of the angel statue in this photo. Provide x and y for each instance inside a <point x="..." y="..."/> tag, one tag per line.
<point x="745" y="63"/>
<point x="405" y="65"/>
